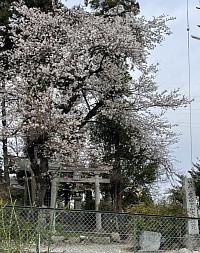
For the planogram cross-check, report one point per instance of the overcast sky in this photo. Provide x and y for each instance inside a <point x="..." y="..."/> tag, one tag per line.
<point x="172" y="57"/>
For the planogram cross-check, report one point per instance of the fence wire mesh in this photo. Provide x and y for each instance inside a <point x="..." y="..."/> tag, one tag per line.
<point x="76" y="231"/>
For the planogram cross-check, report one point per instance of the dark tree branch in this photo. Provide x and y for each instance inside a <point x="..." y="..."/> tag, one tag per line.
<point x="92" y="113"/>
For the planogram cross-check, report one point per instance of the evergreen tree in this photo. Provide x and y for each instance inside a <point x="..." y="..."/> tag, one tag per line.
<point x="102" y="6"/>
<point x="176" y="193"/>
<point x="133" y="168"/>
<point x="195" y="174"/>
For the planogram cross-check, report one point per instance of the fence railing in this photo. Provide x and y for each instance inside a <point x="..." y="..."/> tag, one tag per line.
<point x="48" y="230"/>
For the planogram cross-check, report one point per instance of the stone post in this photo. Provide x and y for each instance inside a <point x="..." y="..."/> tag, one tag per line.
<point x="97" y="192"/>
<point x="53" y="201"/>
<point x="192" y="238"/>
<point x="191" y="205"/>
<point x="53" y="192"/>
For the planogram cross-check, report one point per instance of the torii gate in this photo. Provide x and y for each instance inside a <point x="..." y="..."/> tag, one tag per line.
<point x="77" y="178"/>
<point x="77" y="171"/>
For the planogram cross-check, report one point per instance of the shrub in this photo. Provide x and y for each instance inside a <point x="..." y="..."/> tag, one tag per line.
<point x="163" y="209"/>
<point x="4" y="198"/>
<point x="163" y="218"/>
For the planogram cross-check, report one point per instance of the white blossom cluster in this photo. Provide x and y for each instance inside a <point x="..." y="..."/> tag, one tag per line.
<point x="69" y="65"/>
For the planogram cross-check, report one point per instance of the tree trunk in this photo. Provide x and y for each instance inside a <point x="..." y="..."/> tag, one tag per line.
<point x="5" y="161"/>
<point x="116" y="184"/>
<point x="40" y="179"/>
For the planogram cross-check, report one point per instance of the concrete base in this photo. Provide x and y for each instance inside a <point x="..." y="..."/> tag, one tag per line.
<point x="192" y="242"/>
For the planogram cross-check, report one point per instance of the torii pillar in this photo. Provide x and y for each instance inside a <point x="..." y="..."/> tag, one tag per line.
<point x="97" y="202"/>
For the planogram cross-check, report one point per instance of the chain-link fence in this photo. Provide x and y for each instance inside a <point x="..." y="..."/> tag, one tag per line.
<point x="76" y="231"/>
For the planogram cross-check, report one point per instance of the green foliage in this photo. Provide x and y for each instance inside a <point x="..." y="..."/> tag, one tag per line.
<point x="195" y="174"/>
<point x="4" y="198"/>
<point x="15" y="232"/>
<point x="44" y="5"/>
<point x="102" y="6"/>
<point x="133" y="167"/>
<point x="134" y="196"/>
<point x="105" y="206"/>
<point x="4" y="11"/>
<point x="121" y="141"/>
<point x="89" y="204"/>
<point x="163" y="209"/>
<point x="21" y="228"/>
<point x="176" y="195"/>
<point x="171" y="228"/>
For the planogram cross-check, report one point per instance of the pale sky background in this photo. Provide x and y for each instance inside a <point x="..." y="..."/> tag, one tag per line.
<point x="172" y="57"/>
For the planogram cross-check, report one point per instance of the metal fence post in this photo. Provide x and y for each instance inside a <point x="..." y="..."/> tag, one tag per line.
<point x="134" y="234"/>
<point x="38" y="234"/>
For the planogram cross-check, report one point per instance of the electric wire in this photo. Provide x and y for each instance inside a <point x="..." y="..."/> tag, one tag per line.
<point x="189" y="84"/>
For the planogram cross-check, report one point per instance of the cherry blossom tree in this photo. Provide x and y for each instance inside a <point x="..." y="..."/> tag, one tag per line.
<point x="10" y="142"/>
<point x="68" y="65"/>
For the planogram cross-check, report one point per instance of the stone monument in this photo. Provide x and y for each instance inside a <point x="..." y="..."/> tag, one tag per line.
<point x="192" y="241"/>
<point x="191" y="205"/>
<point x="149" y="241"/>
